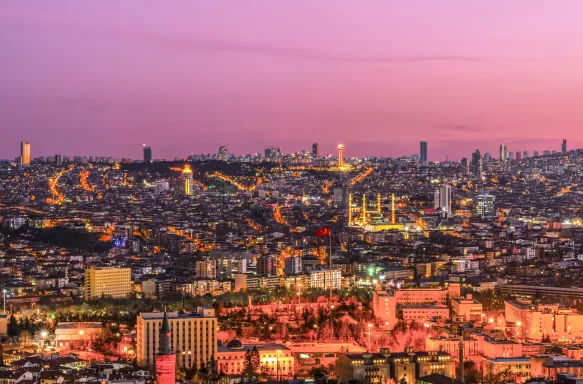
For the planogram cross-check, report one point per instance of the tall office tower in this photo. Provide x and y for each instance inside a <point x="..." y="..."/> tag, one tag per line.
<point x="442" y="200"/>
<point x="187" y="179"/>
<point x="195" y="341"/>
<point x="485" y="206"/>
<point x="25" y="153"/>
<point x="518" y="155"/>
<point x="292" y="265"/>
<point x="58" y="160"/>
<point x="316" y="150"/>
<point x="465" y="166"/>
<point x="423" y="152"/>
<point x="564" y="146"/>
<point x="525" y="155"/>
<point x="510" y="155"/>
<point x="476" y="166"/>
<point x="535" y="153"/>
<point x="487" y="157"/>
<point x="108" y="282"/>
<point x="147" y="154"/>
<point x="266" y="265"/>
<point x="340" y="151"/>
<point x="165" y="359"/>
<point x="546" y="153"/>
<point x="223" y="153"/>
<point x="502" y="152"/>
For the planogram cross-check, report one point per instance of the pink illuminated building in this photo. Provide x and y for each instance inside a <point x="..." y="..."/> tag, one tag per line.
<point x="165" y="359"/>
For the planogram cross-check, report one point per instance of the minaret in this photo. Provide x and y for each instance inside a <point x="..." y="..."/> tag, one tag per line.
<point x="165" y="359"/>
<point x="379" y="202"/>
<point x="350" y="209"/>
<point x="393" y="221"/>
<point x="363" y="209"/>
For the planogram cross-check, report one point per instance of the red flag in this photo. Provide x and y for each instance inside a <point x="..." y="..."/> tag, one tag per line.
<point x="323" y="232"/>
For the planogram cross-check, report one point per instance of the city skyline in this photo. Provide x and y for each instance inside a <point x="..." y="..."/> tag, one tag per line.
<point x="113" y="77"/>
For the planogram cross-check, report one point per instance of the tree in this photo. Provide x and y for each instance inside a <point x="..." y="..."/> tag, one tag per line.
<point x="252" y="363"/>
<point x="13" y="328"/>
<point x="471" y="374"/>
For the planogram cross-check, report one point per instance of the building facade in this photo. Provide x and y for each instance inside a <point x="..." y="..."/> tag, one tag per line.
<point x="194" y="338"/>
<point x="108" y="282"/>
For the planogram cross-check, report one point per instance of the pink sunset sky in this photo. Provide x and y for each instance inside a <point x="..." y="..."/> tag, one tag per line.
<point x="186" y="76"/>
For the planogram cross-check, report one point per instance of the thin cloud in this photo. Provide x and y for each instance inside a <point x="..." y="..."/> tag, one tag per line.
<point x="69" y="26"/>
<point x="460" y="128"/>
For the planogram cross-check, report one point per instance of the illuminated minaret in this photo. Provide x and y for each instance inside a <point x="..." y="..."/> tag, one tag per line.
<point x="379" y="202"/>
<point x="363" y="209"/>
<point x="340" y="150"/>
<point x="165" y="359"/>
<point x="393" y="209"/>
<point x="187" y="176"/>
<point x="350" y="209"/>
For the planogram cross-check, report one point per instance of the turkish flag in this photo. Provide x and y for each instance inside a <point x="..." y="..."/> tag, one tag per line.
<point x="323" y="232"/>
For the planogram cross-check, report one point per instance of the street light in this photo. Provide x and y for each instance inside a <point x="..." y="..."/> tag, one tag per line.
<point x="369" y="330"/>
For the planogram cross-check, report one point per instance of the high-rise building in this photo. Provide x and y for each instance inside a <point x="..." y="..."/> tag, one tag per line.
<point x="206" y="269"/>
<point x="316" y="150"/>
<point x="502" y="152"/>
<point x="165" y="359"/>
<point x="486" y="206"/>
<point x="58" y="160"/>
<point x="465" y="164"/>
<point x="510" y="155"/>
<point x="25" y="153"/>
<point x="525" y="155"/>
<point x="187" y="180"/>
<point x="518" y="155"/>
<point x="546" y="153"/>
<point x="564" y="146"/>
<point x="442" y="200"/>
<point x="476" y="166"/>
<point x="535" y="153"/>
<point x="147" y="154"/>
<point x="195" y="341"/>
<point x="266" y="265"/>
<point x="423" y="152"/>
<point x="338" y="197"/>
<point x="108" y="282"/>
<point x="487" y="157"/>
<point x="292" y="265"/>
<point x="272" y="152"/>
<point x="223" y="153"/>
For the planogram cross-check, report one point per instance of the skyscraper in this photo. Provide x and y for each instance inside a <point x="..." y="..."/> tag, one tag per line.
<point x="165" y="359"/>
<point x="564" y="146"/>
<point x="465" y="166"/>
<point x="423" y="152"/>
<point x="25" y="153"/>
<point x="535" y="153"/>
<point x="58" y="160"/>
<point x="518" y="155"/>
<point x="442" y="200"/>
<point x="502" y="152"/>
<point x="476" y="166"/>
<point x="147" y="154"/>
<point x="525" y="154"/>
<point x="316" y="150"/>
<point x="223" y="153"/>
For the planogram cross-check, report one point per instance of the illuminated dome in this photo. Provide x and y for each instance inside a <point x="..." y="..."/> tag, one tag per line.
<point x="235" y="344"/>
<point x="340" y="146"/>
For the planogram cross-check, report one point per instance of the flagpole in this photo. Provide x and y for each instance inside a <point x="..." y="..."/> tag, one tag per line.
<point x="330" y="279"/>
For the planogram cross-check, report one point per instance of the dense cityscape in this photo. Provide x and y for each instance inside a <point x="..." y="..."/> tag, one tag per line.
<point x="292" y="267"/>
